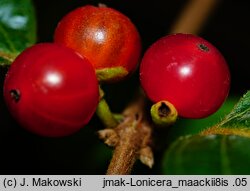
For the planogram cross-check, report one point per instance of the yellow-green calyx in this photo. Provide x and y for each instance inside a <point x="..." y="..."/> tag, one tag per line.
<point x="163" y="113"/>
<point x="111" y="74"/>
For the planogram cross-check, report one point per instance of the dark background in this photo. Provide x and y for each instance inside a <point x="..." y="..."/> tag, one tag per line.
<point x="82" y="153"/>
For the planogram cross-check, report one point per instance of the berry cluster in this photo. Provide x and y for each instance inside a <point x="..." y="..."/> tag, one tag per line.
<point x="52" y="88"/>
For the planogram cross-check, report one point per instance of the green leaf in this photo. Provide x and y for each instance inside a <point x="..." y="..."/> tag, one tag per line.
<point x="212" y="154"/>
<point x="184" y="126"/>
<point x="223" y="148"/>
<point x="237" y="122"/>
<point x="220" y="149"/>
<point x="239" y="117"/>
<point x="17" y="28"/>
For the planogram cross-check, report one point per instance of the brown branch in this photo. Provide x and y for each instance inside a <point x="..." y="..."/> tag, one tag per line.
<point x="193" y="17"/>
<point x="131" y="140"/>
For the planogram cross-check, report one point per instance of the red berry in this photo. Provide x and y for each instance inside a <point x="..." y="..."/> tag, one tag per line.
<point x="187" y="71"/>
<point x="50" y="90"/>
<point x="104" y="36"/>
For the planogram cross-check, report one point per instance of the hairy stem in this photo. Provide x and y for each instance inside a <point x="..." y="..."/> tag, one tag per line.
<point x="134" y="135"/>
<point x="124" y="155"/>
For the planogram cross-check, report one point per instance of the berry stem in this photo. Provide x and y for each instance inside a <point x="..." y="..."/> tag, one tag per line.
<point x="104" y="113"/>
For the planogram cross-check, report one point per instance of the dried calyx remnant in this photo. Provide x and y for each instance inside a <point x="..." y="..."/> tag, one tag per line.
<point x="163" y="113"/>
<point x="203" y="47"/>
<point x="163" y="110"/>
<point x="15" y="95"/>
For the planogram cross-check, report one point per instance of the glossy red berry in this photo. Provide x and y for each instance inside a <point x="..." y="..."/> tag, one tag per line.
<point x="187" y="71"/>
<point x="104" y="36"/>
<point x="50" y="90"/>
